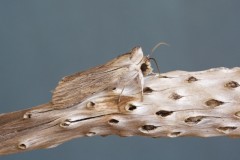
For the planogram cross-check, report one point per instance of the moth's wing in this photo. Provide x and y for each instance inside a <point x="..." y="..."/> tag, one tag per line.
<point x="75" y="88"/>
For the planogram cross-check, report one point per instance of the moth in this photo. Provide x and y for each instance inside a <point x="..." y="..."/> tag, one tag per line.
<point x="123" y="70"/>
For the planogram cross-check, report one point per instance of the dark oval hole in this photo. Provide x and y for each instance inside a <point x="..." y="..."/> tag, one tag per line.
<point x="113" y="121"/>
<point x="90" y="105"/>
<point x="148" y="127"/>
<point x="22" y="146"/>
<point x="175" y="96"/>
<point x="132" y="107"/>
<point x="90" y="134"/>
<point x="164" y="113"/>
<point x="174" y="134"/>
<point x="213" y="103"/>
<point x="191" y="79"/>
<point x="66" y="123"/>
<point x="232" y="84"/>
<point x="27" y="115"/>
<point x="194" y="120"/>
<point x="163" y="77"/>
<point x="227" y="128"/>
<point x="147" y="90"/>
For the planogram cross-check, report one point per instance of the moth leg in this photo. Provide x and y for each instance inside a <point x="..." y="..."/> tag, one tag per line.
<point x="141" y="81"/>
<point x="119" y="97"/>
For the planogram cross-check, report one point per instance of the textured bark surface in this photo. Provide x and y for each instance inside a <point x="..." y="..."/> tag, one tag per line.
<point x="178" y="103"/>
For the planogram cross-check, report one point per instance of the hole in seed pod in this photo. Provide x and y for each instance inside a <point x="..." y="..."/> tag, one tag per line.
<point x="213" y="103"/>
<point x="148" y="127"/>
<point x="194" y="120"/>
<point x="22" y="146"/>
<point x="226" y="129"/>
<point x="132" y="107"/>
<point x="232" y="84"/>
<point x="90" y="105"/>
<point x="27" y="116"/>
<point x="66" y="123"/>
<point x="164" y="113"/>
<point x="90" y="134"/>
<point x="147" y="90"/>
<point x="191" y="79"/>
<point x="175" y="96"/>
<point x="174" y="134"/>
<point x="113" y="121"/>
<point x="163" y="76"/>
<point x="237" y="114"/>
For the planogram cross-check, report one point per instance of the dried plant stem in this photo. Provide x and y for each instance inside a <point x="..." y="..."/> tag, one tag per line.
<point x="179" y="103"/>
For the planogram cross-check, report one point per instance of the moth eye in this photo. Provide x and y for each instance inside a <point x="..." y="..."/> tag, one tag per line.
<point x="144" y="67"/>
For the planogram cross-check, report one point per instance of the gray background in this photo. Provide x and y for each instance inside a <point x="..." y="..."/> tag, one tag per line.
<point x="42" y="41"/>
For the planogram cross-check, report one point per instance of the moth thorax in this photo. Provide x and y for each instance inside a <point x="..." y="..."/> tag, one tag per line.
<point x="146" y="68"/>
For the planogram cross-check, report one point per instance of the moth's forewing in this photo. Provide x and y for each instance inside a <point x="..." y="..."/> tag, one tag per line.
<point x="120" y="71"/>
<point x="75" y="90"/>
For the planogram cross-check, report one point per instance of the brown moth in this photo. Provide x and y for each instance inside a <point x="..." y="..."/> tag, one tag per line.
<point x="124" y="69"/>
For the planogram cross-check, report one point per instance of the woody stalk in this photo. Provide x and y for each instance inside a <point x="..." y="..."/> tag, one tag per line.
<point x="174" y="104"/>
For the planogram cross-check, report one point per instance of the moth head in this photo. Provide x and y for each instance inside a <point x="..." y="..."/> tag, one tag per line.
<point x="146" y="66"/>
<point x="142" y="61"/>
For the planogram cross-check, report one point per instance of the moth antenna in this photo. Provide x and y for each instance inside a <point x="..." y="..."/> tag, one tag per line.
<point x="155" y="64"/>
<point x="152" y="51"/>
<point x="156" y="46"/>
